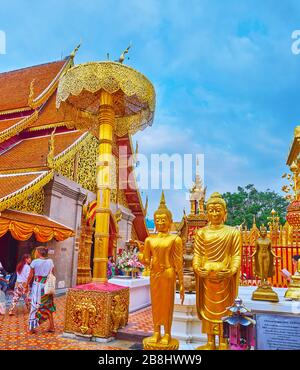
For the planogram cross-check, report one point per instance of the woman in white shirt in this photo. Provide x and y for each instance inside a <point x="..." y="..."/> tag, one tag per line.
<point x="42" y="305"/>
<point x="21" y="289"/>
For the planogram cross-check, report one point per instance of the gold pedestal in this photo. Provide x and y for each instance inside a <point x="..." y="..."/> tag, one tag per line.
<point x="96" y="310"/>
<point x="265" y="293"/>
<point x="148" y="345"/>
<point x="293" y="291"/>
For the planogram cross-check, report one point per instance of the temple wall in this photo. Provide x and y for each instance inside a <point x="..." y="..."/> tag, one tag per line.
<point x="63" y="203"/>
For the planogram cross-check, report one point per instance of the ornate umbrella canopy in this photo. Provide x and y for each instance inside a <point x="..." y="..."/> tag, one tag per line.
<point x="133" y="96"/>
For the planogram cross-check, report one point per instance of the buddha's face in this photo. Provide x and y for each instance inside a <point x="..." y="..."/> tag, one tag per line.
<point x="216" y="214"/>
<point x="162" y="223"/>
<point x="263" y="233"/>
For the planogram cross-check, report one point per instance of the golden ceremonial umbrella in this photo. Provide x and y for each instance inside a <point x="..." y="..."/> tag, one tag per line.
<point x="105" y="98"/>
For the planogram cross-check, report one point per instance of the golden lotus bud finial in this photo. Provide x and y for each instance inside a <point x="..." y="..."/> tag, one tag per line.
<point x="163" y="209"/>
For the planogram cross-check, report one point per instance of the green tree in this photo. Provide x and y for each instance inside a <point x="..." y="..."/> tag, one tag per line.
<point x="247" y="202"/>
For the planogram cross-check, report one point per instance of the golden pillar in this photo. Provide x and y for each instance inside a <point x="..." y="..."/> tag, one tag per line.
<point x="106" y="127"/>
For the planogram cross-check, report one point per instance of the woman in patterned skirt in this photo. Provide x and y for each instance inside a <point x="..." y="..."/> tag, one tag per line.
<point x="42" y="305"/>
<point x="21" y="289"/>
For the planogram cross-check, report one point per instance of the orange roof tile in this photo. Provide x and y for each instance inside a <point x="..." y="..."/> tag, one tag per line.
<point x="32" y="153"/>
<point x="49" y="114"/>
<point x="10" y="184"/>
<point x="31" y="218"/>
<point x="15" y="85"/>
<point x="5" y="124"/>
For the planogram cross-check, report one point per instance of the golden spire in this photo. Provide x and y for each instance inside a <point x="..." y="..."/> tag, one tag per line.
<point x="146" y="205"/>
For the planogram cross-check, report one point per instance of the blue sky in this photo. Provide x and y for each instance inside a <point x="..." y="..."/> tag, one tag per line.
<point x="227" y="82"/>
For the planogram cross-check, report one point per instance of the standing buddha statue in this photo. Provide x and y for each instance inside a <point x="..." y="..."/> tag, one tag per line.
<point x="217" y="260"/>
<point x="163" y="253"/>
<point x="264" y="267"/>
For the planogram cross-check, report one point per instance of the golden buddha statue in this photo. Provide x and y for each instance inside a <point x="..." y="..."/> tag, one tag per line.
<point x="264" y="267"/>
<point x="163" y="252"/>
<point x="293" y="292"/>
<point x="217" y="261"/>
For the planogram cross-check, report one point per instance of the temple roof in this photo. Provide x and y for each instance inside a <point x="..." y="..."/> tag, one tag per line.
<point x="7" y="123"/>
<point x="15" y="85"/>
<point x="9" y="184"/>
<point x="31" y="154"/>
<point x="48" y="115"/>
<point x="27" y="117"/>
<point x="32" y="218"/>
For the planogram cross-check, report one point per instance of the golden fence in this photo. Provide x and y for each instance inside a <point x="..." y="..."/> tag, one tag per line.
<point x="285" y="244"/>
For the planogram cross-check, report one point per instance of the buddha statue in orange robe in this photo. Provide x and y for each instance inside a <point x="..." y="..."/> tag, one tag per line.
<point x="216" y="262"/>
<point x="163" y="253"/>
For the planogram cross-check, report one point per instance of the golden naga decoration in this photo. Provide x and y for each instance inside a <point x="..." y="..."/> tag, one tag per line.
<point x="122" y="56"/>
<point x="85" y="315"/>
<point x="51" y="148"/>
<point x="264" y="267"/>
<point x="216" y="262"/>
<point x="293" y="292"/>
<point x="163" y="253"/>
<point x="119" y="313"/>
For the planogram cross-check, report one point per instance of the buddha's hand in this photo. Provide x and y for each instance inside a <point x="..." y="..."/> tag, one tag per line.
<point x="181" y="292"/>
<point x="224" y="274"/>
<point x="202" y="272"/>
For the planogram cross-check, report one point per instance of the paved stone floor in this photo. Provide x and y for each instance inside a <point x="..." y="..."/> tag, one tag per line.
<point x="14" y="334"/>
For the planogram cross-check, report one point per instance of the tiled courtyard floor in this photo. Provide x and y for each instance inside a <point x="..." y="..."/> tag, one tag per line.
<point x="14" y="334"/>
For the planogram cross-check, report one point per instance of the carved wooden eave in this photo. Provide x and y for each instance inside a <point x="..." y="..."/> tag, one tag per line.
<point x="18" y="127"/>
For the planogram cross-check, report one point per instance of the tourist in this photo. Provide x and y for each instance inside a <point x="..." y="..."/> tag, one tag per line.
<point x="20" y="289"/>
<point x="110" y="267"/>
<point x="286" y="274"/>
<point x="3" y="281"/>
<point x="42" y="305"/>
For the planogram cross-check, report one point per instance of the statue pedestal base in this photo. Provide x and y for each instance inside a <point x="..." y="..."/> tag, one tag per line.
<point x="139" y="290"/>
<point x="186" y="325"/>
<point x="293" y="292"/>
<point x="277" y="323"/>
<point x="265" y="293"/>
<point x="173" y="345"/>
<point x="96" y="310"/>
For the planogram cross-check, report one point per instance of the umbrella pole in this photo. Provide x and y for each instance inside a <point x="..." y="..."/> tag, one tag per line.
<point x="104" y="163"/>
